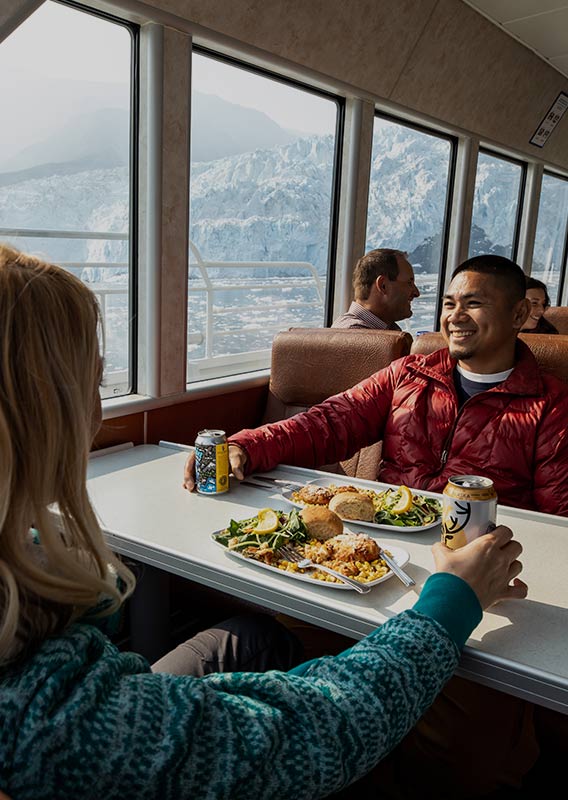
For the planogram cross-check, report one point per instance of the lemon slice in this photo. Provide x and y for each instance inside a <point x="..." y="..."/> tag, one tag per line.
<point x="404" y="502"/>
<point x="267" y="521"/>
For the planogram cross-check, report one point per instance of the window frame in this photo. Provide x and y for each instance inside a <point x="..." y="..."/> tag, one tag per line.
<point x="563" y="266"/>
<point x="453" y="141"/>
<point x="339" y="132"/>
<point x="133" y="186"/>
<point x="520" y="195"/>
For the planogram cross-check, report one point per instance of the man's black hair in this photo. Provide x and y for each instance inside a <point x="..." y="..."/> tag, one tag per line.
<point x="508" y="274"/>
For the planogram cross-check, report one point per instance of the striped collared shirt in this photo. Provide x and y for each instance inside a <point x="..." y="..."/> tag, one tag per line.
<point x="359" y="317"/>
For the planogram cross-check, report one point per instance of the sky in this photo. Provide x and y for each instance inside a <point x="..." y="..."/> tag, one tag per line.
<point x="59" y="61"/>
<point x="68" y="44"/>
<point x="288" y="106"/>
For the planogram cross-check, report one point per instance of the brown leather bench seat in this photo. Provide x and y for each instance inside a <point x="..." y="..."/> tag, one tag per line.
<point x="558" y="316"/>
<point x="311" y="364"/>
<point x="550" y="350"/>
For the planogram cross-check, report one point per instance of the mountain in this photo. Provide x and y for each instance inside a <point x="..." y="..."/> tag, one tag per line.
<point x="221" y="129"/>
<point x="407" y="194"/>
<point x="89" y="141"/>
<point x="99" y="138"/>
<point x="41" y="110"/>
<point x="266" y="204"/>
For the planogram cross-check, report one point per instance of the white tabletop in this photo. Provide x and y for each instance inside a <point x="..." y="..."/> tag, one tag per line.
<point x="520" y="647"/>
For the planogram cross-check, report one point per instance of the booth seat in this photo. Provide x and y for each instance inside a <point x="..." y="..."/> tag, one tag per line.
<point x="312" y="364"/>
<point x="558" y="316"/>
<point x="550" y="350"/>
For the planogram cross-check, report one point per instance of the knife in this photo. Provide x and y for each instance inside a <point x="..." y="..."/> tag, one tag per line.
<point x="276" y="481"/>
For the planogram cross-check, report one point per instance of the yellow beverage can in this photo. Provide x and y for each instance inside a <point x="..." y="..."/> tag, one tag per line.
<point x="469" y="509"/>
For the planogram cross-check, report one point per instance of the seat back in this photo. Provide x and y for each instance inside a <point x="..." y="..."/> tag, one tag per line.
<point x="311" y="364"/>
<point x="550" y="350"/>
<point x="558" y="316"/>
<point x="426" y="343"/>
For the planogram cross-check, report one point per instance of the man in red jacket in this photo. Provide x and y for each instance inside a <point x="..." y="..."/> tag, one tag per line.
<point x="480" y="405"/>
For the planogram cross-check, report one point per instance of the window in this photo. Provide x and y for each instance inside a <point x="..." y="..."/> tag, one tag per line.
<point x="497" y="204"/>
<point x="409" y="195"/>
<point x="262" y="200"/>
<point x="65" y="83"/>
<point x="549" y="256"/>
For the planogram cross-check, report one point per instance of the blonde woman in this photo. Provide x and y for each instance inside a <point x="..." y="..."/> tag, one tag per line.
<point x="80" y="718"/>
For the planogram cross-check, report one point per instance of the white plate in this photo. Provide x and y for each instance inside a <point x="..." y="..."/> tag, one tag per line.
<point x="288" y="492"/>
<point x="400" y="555"/>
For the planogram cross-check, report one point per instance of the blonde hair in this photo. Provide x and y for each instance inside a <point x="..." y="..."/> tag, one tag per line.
<point x="49" y="374"/>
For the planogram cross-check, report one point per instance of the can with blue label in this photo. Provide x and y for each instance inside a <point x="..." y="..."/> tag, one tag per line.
<point x="211" y="462"/>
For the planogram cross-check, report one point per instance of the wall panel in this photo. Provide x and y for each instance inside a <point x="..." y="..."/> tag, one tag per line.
<point x="437" y="57"/>
<point x="230" y="412"/>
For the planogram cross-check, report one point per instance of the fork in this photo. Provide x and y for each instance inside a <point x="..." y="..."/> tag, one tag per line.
<point x="305" y="563"/>
<point x="398" y="571"/>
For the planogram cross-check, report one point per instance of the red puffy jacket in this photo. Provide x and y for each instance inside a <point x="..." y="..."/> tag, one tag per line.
<point x="516" y="433"/>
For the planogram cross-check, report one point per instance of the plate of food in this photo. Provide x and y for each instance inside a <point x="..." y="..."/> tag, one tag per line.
<point x="316" y="533"/>
<point x="398" y="510"/>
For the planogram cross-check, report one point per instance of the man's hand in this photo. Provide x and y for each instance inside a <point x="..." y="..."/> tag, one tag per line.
<point x="237" y="461"/>
<point x="489" y="564"/>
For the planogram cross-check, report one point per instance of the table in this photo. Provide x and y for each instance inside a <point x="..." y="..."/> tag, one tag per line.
<point x="520" y="647"/>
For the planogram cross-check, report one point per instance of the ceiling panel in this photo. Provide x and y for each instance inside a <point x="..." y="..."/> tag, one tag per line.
<point x="561" y="63"/>
<point x="547" y="33"/>
<point x="508" y="10"/>
<point x="541" y="25"/>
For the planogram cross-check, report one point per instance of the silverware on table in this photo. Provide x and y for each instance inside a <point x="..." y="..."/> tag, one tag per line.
<point x="276" y="481"/>
<point x="305" y="563"/>
<point x="398" y="571"/>
<point x="265" y="486"/>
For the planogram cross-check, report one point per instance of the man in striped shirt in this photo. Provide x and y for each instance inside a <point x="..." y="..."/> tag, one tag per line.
<point x="384" y="288"/>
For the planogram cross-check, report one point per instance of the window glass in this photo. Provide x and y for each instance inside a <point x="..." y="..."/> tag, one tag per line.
<point x="261" y="193"/>
<point x="64" y="158"/>
<point x="550" y="237"/>
<point x="411" y="176"/>
<point x="496" y="206"/>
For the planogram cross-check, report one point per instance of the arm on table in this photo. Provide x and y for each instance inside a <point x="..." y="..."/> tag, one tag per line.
<point x="237" y="462"/>
<point x="241" y="735"/>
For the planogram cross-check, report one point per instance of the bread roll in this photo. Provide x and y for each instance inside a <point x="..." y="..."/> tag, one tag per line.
<point x="353" y="505"/>
<point x="321" y="523"/>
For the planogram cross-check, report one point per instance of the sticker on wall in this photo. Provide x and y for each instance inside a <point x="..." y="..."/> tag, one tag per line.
<point x="551" y="120"/>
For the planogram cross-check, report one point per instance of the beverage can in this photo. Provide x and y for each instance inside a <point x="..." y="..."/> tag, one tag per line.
<point x="469" y="509"/>
<point x="211" y="462"/>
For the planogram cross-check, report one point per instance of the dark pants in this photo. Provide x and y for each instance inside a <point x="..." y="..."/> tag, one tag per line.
<point x="247" y="643"/>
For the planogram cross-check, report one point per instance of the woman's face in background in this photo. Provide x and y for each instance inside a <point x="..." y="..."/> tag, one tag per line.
<point x="536" y="298"/>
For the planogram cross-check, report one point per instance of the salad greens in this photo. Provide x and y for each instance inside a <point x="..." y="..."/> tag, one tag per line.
<point x="423" y="511"/>
<point x="240" y="534"/>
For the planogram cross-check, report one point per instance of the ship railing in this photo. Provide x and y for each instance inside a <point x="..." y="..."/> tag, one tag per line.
<point x="210" y="340"/>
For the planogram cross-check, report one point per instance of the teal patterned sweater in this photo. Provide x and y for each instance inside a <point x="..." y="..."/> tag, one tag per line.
<point x="82" y="720"/>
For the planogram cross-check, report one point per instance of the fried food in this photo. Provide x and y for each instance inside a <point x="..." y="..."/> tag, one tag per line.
<point x="345" y="547"/>
<point x="314" y="495"/>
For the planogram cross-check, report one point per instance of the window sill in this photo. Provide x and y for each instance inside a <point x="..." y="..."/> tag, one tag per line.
<point x="134" y="403"/>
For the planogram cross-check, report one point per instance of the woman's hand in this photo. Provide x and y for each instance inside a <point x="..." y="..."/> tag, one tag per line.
<point x="237" y="462"/>
<point x="489" y="564"/>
